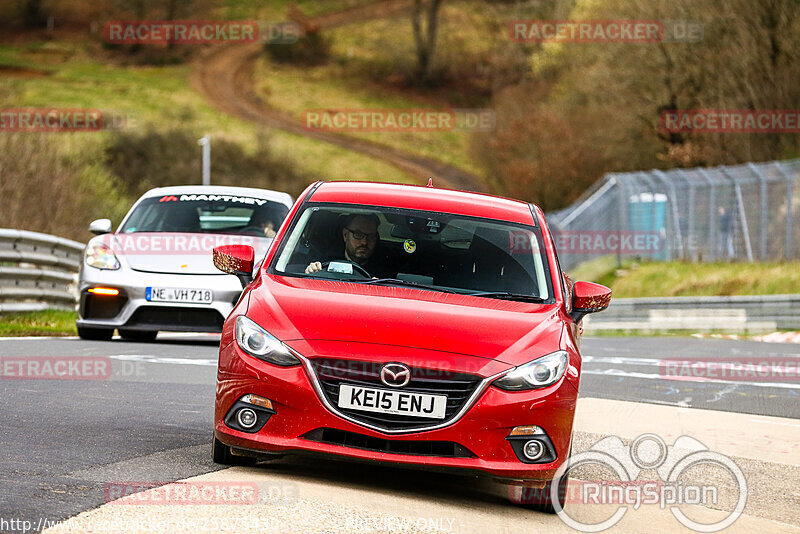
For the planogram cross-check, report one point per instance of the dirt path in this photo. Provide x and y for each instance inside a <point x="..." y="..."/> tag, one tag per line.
<point x="224" y="75"/>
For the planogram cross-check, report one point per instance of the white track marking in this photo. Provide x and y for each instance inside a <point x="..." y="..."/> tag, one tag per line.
<point x="147" y="358"/>
<point x="648" y="376"/>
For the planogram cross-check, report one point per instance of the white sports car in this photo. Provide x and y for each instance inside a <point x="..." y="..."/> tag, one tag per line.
<point x="156" y="272"/>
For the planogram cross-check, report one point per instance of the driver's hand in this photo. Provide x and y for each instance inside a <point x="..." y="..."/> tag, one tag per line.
<point x="314" y="267"/>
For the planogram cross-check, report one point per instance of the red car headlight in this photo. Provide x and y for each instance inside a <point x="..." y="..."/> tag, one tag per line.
<point x="260" y="344"/>
<point x="539" y="373"/>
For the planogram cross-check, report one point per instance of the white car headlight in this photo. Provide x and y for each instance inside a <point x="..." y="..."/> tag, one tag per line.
<point x="260" y="344"/>
<point x="539" y="373"/>
<point x="101" y="257"/>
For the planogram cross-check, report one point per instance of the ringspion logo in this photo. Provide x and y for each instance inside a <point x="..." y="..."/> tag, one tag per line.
<point x="672" y="490"/>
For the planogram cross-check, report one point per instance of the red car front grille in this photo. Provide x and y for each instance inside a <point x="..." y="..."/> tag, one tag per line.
<point x="458" y="387"/>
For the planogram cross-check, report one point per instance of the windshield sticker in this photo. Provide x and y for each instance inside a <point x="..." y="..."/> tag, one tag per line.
<point x="340" y="267"/>
<point x="216" y="198"/>
<point x="409" y="246"/>
<point x="434" y="226"/>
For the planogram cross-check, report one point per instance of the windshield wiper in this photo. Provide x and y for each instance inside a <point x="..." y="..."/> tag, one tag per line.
<point x="398" y="282"/>
<point x="507" y="296"/>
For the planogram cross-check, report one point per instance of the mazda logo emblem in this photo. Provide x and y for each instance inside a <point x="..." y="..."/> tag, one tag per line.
<point x="395" y="375"/>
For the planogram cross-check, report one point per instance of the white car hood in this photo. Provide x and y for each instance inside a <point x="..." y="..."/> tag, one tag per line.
<point x="176" y="253"/>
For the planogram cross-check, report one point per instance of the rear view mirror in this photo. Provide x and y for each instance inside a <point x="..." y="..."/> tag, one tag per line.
<point x="589" y="297"/>
<point x="100" y="226"/>
<point x="237" y="260"/>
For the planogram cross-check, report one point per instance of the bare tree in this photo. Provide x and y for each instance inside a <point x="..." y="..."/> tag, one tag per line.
<point x="33" y="14"/>
<point x="425" y="14"/>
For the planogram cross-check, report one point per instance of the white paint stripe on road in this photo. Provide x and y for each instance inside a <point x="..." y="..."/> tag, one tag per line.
<point x="36" y="338"/>
<point x="755" y="363"/>
<point x="781" y="423"/>
<point x="181" y="335"/>
<point x="648" y="376"/>
<point x="162" y="359"/>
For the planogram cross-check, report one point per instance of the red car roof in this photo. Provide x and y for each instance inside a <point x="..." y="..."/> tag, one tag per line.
<point x="425" y="198"/>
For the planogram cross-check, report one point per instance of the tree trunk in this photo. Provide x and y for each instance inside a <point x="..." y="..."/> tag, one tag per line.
<point x="425" y="38"/>
<point x="32" y="15"/>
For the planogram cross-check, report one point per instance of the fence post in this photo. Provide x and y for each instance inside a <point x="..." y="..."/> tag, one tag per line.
<point x="789" y="192"/>
<point x="676" y="222"/>
<point x="712" y="210"/>
<point x="589" y="201"/>
<point x="764" y="220"/>
<point x="742" y="214"/>
<point x="622" y="217"/>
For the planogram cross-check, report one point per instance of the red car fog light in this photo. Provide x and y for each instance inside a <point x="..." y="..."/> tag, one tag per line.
<point x="532" y="445"/>
<point x="247" y="418"/>
<point x="249" y="414"/>
<point x="533" y="450"/>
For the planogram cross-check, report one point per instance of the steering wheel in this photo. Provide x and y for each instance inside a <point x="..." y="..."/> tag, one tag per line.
<point x="362" y="271"/>
<point x="253" y="230"/>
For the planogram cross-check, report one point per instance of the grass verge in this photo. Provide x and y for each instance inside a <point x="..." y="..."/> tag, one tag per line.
<point x="40" y="323"/>
<point x="161" y="97"/>
<point x="674" y="279"/>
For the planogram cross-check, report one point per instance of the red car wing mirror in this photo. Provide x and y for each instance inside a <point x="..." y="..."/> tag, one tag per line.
<point x="237" y="260"/>
<point x="589" y="297"/>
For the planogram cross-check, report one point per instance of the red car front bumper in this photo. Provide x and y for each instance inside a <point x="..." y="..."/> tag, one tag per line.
<point x="482" y="430"/>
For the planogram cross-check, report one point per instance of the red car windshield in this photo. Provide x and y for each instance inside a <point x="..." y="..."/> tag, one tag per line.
<point x="432" y="250"/>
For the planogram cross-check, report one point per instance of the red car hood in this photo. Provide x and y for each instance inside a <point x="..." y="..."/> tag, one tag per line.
<point x="295" y="309"/>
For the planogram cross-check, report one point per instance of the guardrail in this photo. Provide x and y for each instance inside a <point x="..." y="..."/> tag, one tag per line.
<point x="739" y="314"/>
<point x="37" y="271"/>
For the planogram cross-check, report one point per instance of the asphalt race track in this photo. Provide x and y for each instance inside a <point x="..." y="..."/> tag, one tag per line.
<point x="64" y="441"/>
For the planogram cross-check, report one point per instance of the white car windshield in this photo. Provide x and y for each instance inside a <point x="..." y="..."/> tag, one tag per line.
<point x="199" y="214"/>
<point x="429" y="250"/>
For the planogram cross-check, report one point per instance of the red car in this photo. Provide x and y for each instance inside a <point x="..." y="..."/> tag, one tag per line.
<point x="405" y="324"/>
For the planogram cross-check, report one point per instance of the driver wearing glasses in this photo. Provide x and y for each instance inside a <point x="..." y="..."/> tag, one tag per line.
<point x="360" y="235"/>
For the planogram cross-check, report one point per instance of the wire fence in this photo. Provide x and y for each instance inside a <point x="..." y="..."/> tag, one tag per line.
<point x="738" y="213"/>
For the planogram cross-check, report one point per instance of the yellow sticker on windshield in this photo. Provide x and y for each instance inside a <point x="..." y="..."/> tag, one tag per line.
<point x="409" y="246"/>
